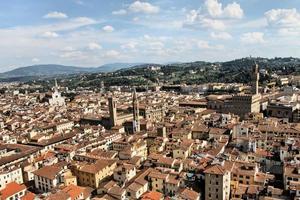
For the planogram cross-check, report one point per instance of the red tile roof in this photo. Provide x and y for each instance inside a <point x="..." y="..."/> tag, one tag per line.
<point x="152" y="195"/>
<point x="11" y="189"/>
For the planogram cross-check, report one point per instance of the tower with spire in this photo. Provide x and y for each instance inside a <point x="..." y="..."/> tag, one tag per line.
<point x="135" y="105"/>
<point x="57" y="99"/>
<point x="112" y="111"/>
<point x="255" y="79"/>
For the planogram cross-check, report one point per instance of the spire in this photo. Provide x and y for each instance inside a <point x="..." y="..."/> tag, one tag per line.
<point x="135" y="105"/>
<point x="255" y="78"/>
<point x="55" y="85"/>
<point x="112" y="110"/>
<point x="134" y="96"/>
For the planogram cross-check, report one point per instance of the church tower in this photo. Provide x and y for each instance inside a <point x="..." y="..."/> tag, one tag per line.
<point x="135" y="105"/>
<point x="112" y="111"/>
<point x="255" y="79"/>
<point x="57" y="99"/>
<point x="102" y="87"/>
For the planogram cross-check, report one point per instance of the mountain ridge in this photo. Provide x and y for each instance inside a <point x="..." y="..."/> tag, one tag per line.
<point x="240" y="65"/>
<point x="57" y="69"/>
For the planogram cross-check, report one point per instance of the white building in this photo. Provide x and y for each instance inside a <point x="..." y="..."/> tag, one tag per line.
<point x="217" y="183"/>
<point x="124" y="173"/>
<point x="11" y="175"/>
<point x="57" y="99"/>
<point x="48" y="177"/>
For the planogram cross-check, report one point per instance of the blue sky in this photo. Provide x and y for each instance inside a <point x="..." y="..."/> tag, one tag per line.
<point x="95" y="32"/>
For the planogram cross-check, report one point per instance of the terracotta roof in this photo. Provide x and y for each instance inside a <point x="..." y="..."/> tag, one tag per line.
<point x="61" y="195"/>
<point x="48" y="172"/>
<point x="188" y="194"/>
<point x="166" y="161"/>
<point x="158" y="175"/>
<point x="115" y="190"/>
<point x="28" y="196"/>
<point x="74" y="191"/>
<point x="215" y="169"/>
<point x="96" y="167"/>
<point x="152" y="195"/>
<point x="11" y="189"/>
<point x="135" y="186"/>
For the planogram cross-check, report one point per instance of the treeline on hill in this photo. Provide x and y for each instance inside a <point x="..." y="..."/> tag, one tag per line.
<point x="236" y="71"/>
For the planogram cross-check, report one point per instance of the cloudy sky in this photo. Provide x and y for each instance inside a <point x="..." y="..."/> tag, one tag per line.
<point x="95" y="32"/>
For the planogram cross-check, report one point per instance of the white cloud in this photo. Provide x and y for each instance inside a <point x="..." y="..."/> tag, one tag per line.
<point x="215" y="9"/>
<point x="201" y="44"/>
<point x="253" y="38"/>
<point x="154" y="43"/>
<point x="35" y="60"/>
<point x="50" y="34"/>
<point x="233" y="10"/>
<point x="135" y="19"/>
<point x="143" y="7"/>
<point x="289" y="32"/>
<point x="84" y="20"/>
<point x="287" y="21"/>
<point x="129" y="45"/>
<point x="221" y="35"/>
<point x="72" y="55"/>
<point x="195" y="20"/>
<point x="111" y="54"/>
<point x="212" y="23"/>
<point x="94" y="46"/>
<point x="68" y="48"/>
<point x="108" y="29"/>
<point x="55" y="15"/>
<point x="192" y="16"/>
<point x="283" y="17"/>
<point x="66" y="25"/>
<point x="119" y="12"/>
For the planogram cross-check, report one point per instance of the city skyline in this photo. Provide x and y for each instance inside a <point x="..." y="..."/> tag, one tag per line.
<point x="92" y="33"/>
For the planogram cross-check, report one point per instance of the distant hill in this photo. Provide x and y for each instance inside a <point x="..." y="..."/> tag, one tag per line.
<point x="199" y="72"/>
<point x="52" y="70"/>
<point x="44" y="70"/>
<point x="115" y="66"/>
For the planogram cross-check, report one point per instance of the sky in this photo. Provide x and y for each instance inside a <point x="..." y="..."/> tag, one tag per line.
<point x="95" y="32"/>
